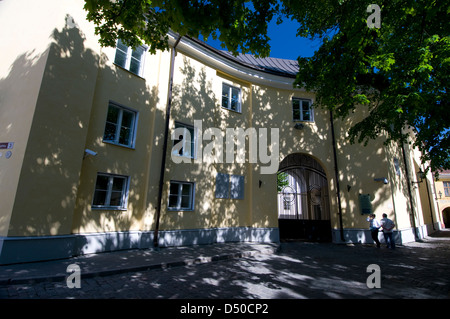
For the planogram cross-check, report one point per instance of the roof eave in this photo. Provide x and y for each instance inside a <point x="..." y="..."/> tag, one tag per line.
<point x="229" y="65"/>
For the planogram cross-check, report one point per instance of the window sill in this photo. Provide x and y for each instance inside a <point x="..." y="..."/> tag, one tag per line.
<point x="303" y="121"/>
<point x="180" y="209"/>
<point x="120" y="145"/>
<point x="227" y="109"/>
<point x="108" y="208"/>
<point x="184" y="156"/>
<point x="128" y="71"/>
<point x="300" y="121"/>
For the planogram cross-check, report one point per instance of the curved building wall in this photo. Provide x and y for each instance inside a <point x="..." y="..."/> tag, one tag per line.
<point x="231" y="124"/>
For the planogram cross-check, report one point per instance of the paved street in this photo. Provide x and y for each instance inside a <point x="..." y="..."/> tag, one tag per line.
<point x="298" y="270"/>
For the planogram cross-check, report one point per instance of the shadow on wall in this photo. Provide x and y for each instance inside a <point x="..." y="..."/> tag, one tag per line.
<point x="102" y="229"/>
<point x="65" y="124"/>
<point x="53" y="166"/>
<point x="194" y="99"/>
<point x="49" y="178"/>
<point x="358" y="165"/>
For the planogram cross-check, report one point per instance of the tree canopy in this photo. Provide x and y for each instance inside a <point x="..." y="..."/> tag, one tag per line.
<point x="399" y="70"/>
<point x="240" y="24"/>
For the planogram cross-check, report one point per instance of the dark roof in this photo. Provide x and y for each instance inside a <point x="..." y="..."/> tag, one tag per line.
<point x="271" y="65"/>
<point x="282" y="67"/>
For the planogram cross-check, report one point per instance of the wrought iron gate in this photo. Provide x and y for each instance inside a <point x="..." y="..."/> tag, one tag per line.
<point x="303" y="201"/>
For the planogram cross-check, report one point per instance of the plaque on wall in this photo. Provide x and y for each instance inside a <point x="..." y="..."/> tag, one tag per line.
<point x="365" y="204"/>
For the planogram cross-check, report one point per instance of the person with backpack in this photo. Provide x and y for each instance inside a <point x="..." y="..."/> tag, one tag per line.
<point x="388" y="231"/>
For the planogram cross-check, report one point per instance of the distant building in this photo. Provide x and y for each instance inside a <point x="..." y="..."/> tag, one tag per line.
<point x="443" y="196"/>
<point x="83" y="147"/>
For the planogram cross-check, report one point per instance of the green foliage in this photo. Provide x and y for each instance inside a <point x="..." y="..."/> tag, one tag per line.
<point x="282" y="181"/>
<point x="398" y="72"/>
<point x="240" y="24"/>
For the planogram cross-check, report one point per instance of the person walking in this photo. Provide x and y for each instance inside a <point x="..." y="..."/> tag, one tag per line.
<point x="388" y="231"/>
<point x="374" y="226"/>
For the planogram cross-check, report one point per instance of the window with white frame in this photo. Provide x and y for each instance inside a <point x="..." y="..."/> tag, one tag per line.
<point x="111" y="192"/>
<point x="184" y="140"/>
<point x="230" y="186"/>
<point x="181" y="196"/>
<point x="302" y="110"/>
<point x="120" y="125"/>
<point x="129" y="59"/>
<point x="231" y="97"/>
<point x="447" y="189"/>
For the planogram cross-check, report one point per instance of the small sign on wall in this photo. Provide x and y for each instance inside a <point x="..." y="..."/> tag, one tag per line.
<point x="7" y="146"/>
<point x="365" y="204"/>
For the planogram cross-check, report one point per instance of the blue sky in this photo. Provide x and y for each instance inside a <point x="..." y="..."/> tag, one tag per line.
<point x="284" y="43"/>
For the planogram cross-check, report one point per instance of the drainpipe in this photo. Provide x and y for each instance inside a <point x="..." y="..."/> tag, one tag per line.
<point x="336" y="172"/>
<point x="166" y="133"/>
<point x="409" y="192"/>
<point x="429" y="201"/>
<point x="437" y="203"/>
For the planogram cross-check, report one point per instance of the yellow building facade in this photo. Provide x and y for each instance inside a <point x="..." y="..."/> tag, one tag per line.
<point x="113" y="148"/>
<point x="442" y="186"/>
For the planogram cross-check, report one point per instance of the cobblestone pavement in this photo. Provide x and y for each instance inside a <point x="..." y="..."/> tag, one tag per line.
<point x="298" y="270"/>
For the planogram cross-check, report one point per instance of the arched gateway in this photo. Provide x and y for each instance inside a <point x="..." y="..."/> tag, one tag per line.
<point x="446" y="217"/>
<point x="303" y="201"/>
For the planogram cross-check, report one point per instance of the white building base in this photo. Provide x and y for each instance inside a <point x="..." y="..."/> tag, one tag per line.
<point x="363" y="236"/>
